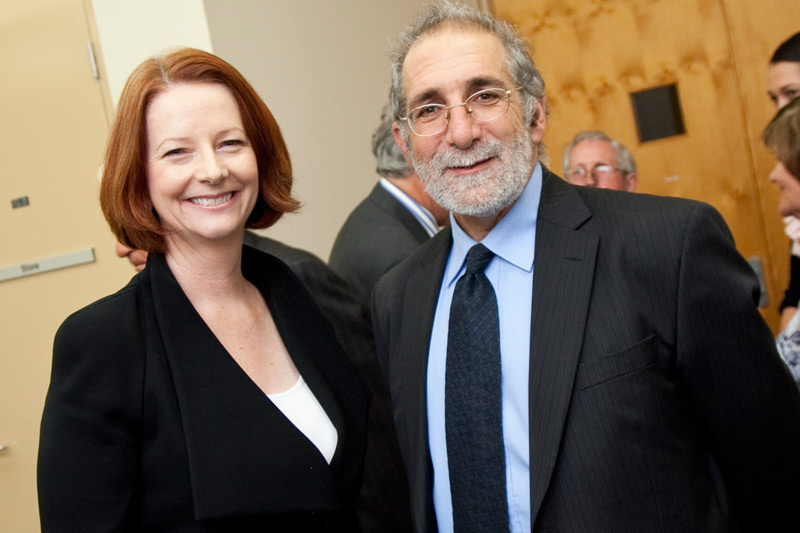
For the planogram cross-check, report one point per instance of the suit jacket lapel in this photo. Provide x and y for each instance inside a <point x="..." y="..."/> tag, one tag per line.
<point x="226" y="416"/>
<point x="422" y="294"/>
<point x="310" y="338"/>
<point x="563" y="271"/>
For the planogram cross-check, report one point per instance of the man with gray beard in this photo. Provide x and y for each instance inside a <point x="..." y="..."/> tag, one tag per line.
<point x="564" y="358"/>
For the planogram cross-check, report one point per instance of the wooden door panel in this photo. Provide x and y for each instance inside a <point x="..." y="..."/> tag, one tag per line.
<point x="593" y="54"/>
<point x="51" y="146"/>
<point x="757" y="28"/>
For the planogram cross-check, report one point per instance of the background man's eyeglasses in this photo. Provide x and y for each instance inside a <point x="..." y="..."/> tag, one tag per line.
<point x="599" y="173"/>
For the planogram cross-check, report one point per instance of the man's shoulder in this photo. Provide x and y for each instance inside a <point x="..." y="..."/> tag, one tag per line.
<point x="597" y="196"/>
<point x="274" y="262"/>
<point x="378" y="210"/>
<point x="288" y="254"/>
<point x="431" y="253"/>
<point x="657" y="226"/>
<point x="378" y="233"/>
<point x="642" y="208"/>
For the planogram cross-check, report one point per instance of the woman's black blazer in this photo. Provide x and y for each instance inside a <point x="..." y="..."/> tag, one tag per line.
<point x="150" y="424"/>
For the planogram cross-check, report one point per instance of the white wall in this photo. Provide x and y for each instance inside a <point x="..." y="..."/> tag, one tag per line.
<point x="130" y="32"/>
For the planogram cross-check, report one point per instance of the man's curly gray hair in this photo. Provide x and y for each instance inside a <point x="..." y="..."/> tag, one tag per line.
<point x="435" y="17"/>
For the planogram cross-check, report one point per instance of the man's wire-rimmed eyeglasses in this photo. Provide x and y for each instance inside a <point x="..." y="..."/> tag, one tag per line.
<point x="484" y="106"/>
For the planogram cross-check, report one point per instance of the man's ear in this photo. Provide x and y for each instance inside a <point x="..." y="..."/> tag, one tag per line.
<point x="631" y="181"/>
<point x="400" y="142"/>
<point x="539" y="121"/>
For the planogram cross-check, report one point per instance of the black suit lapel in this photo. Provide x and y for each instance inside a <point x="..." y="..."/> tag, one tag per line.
<point x="563" y="271"/>
<point x="240" y="447"/>
<point x="310" y="338"/>
<point x="422" y="295"/>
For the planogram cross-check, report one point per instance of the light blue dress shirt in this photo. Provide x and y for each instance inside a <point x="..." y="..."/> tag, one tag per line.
<point x="423" y="216"/>
<point x="511" y="275"/>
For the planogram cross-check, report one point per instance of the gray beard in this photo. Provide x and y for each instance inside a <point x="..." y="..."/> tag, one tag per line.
<point x="485" y="193"/>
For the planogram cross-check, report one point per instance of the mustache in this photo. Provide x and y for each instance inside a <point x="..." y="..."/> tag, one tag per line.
<point x="455" y="158"/>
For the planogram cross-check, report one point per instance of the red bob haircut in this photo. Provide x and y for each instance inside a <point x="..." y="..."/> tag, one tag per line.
<point x="124" y="195"/>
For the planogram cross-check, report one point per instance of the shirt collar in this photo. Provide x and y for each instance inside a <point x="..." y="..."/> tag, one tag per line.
<point x="517" y="226"/>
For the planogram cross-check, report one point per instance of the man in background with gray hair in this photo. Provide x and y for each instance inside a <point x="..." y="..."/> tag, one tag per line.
<point x="390" y="223"/>
<point x="593" y="159"/>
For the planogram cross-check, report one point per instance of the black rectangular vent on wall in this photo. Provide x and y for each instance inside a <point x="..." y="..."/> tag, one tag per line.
<point x="658" y="113"/>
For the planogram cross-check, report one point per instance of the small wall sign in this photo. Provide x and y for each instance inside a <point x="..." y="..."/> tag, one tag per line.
<point x="22" y="201"/>
<point x="49" y="263"/>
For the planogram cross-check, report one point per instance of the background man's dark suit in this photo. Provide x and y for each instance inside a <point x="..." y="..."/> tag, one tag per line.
<point x="382" y="504"/>
<point x="657" y="401"/>
<point x="378" y="234"/>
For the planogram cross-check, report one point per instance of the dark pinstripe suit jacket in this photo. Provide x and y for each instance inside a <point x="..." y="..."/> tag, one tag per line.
<point x="657" y="400"/>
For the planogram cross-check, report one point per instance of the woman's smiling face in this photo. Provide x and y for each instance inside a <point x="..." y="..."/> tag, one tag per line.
<point x="202" y="171"/>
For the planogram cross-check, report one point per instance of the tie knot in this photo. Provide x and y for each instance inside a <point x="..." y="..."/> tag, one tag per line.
<point x="477" y="258"/>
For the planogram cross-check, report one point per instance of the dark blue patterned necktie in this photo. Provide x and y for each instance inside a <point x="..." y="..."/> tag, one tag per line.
<point x="473" y="410"/>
